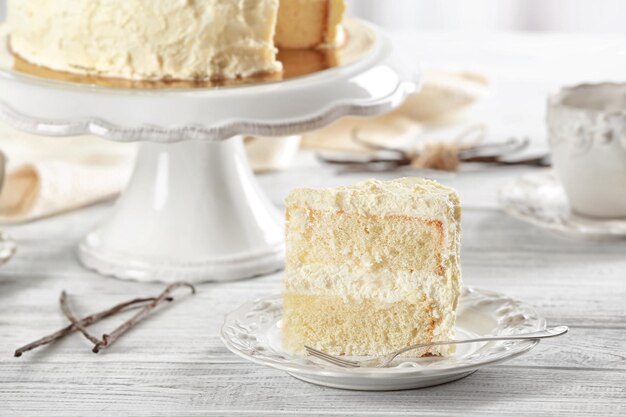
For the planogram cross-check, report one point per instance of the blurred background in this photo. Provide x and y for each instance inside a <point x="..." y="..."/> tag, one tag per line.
<point x="488" y="64"/>
<point x="526" y="49"/>
<point x="600" y="16"/>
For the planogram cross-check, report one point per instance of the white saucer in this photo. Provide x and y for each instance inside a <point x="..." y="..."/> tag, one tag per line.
<point x="538" y="198"/>
<point x="7" y="248"/>
<point x="253" y="332"/>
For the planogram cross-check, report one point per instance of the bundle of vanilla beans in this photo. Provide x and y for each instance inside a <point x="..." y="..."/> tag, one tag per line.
<point x="145" y="305"/>
<point x="441" y="156"/>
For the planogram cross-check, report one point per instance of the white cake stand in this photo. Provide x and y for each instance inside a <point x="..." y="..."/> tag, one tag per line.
<point x="193" y="209"/>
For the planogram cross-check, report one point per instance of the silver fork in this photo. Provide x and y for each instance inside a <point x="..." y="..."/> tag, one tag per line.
<point x="384" y="361"/>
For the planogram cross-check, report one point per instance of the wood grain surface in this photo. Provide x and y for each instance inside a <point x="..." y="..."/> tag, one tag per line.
<point x="175" y="364"/>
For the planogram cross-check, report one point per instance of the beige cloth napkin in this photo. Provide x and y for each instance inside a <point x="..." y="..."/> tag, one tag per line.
<point x="48" y="176"/>
<point x="445" y="98"/>
<point x="394" y="129"/>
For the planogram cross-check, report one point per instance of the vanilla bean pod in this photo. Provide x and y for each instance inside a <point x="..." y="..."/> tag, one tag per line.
<point x="72" y="318"/>
<point x="510" y="146"/>
<point x="333" y="161"/>
<point x="540" y="161"/>
<point x="86" y="321"/>
<point x="109" y="339"/>
<point x="434" y="156"/>
<point x="372" y="164"/>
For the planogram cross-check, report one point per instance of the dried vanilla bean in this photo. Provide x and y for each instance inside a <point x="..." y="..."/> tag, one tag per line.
<point x="86" y="321"/>
<point x="441" y="156"/>
<point x="72" y="318"/>
<point x="109" y="339"/>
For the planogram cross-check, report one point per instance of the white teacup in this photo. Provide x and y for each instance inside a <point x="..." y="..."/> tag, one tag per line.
<point x="587" y="134"/>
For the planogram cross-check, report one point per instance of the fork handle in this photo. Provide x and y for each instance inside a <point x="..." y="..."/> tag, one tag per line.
<point x="541" y="334"/>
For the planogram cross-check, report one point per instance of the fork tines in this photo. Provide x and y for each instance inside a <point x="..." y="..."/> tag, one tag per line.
<point x="344" y="363"/>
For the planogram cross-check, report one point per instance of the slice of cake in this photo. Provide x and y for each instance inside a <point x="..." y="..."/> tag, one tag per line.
<point x="372" y="267"/>
<point x="309" y="23"/>
<point x="139" y="39"/>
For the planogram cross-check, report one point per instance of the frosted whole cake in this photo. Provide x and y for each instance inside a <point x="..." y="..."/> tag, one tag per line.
<point x="372" y="267"/>
<point x="168" y="39"/>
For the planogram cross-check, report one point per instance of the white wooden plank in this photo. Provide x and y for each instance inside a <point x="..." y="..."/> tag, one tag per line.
<point x="183" y="389"/>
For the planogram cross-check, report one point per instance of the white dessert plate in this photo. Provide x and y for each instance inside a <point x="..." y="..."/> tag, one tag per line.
<point x="7" y="248"/>
<point x="538" y="198"/>
<point x="253" y="331"/>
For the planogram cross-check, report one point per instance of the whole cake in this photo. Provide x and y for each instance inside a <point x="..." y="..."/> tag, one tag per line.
<point x="372" y="267"/>
<point x="168" y="39"/>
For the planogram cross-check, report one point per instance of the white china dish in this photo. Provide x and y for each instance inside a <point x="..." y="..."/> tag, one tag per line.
<point x="538" y="198"/>
<point x="253" y="332"/>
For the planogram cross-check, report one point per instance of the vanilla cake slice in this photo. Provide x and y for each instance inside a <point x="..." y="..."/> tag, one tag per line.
<point x="372" y="267"/>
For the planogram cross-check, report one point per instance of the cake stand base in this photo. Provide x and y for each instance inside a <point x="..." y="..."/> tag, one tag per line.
<point x="192" y="211"/>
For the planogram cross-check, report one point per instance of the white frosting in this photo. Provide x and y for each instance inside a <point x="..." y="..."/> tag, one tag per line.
<point x="155" y="39"/>
<point x="385" y="286"/>
<point x="405" y="196"/>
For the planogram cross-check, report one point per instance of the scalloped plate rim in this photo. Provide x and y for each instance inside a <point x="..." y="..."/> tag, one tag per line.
<point x="368" y="373"/>
<point x="510" y="207"/>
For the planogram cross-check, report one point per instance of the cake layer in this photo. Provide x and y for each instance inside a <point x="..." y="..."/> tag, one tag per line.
<point x="363" y="328"/>
<point x="299" y="62"/>
<point x="369" y="242"/>
<point x="154" y="39"/>
<point x="309" y="23"/>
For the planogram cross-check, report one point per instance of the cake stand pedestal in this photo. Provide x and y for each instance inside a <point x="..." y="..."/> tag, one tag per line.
<point x="193" y="210"/>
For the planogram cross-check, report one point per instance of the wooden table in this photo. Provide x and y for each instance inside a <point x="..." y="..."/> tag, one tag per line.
<point x="174" y="364"/>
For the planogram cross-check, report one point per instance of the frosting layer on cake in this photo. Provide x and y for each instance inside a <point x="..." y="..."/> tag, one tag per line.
<point x="372" y="248"/>
<point x="156" y="39"/>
